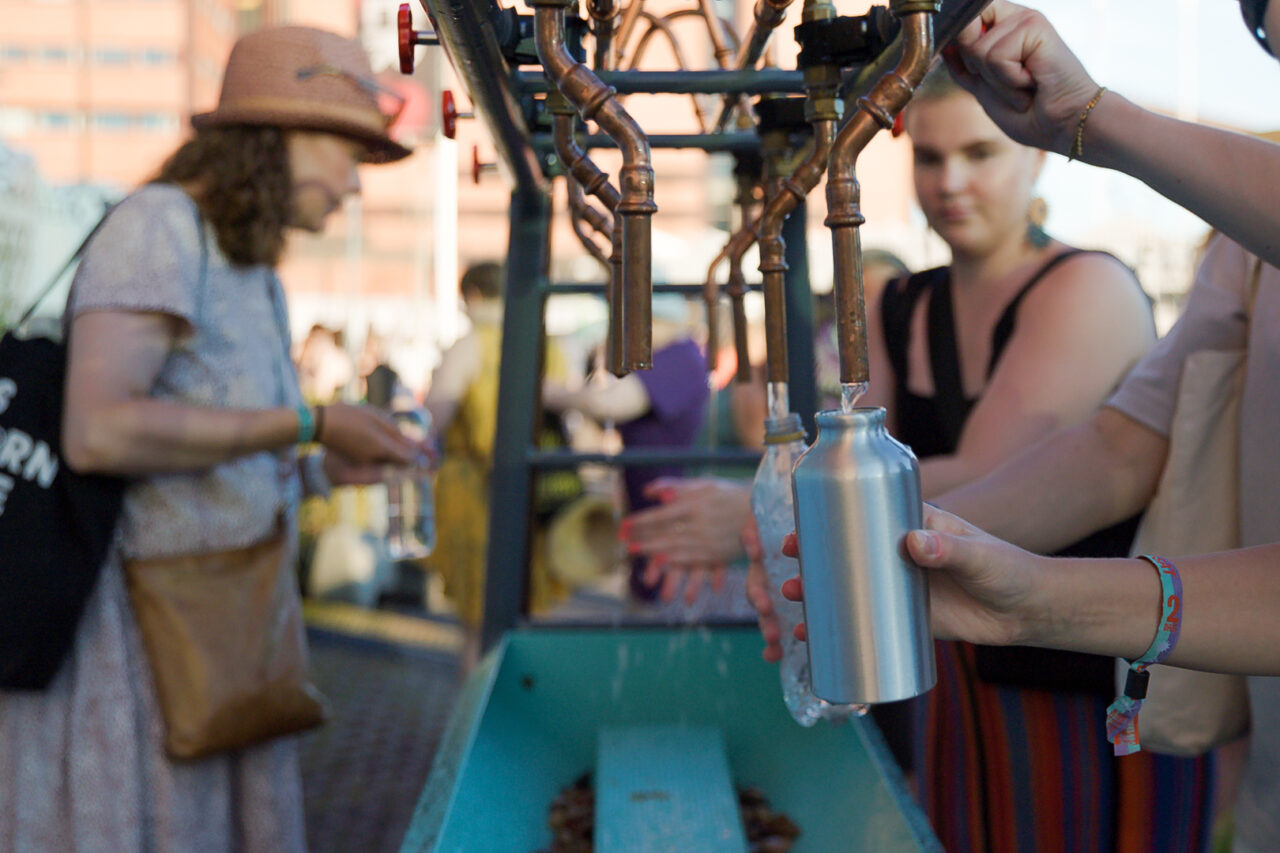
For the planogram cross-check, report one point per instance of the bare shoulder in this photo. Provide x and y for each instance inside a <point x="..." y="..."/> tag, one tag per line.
<point x="1095" y="284"/>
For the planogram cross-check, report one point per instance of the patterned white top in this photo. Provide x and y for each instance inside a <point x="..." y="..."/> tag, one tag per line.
<point x="147" y="257"/>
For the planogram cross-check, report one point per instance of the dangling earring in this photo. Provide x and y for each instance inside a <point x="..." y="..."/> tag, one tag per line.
<point x="1037" y="213"/>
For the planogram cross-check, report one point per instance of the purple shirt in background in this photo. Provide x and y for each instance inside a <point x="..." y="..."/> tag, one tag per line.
<point x="678" y="391"/>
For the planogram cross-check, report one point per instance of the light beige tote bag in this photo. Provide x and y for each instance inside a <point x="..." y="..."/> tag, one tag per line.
<point x="1196" y="510"/>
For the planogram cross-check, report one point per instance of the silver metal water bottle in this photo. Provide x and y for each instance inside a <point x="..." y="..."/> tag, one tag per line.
<point x="866" y="605"/>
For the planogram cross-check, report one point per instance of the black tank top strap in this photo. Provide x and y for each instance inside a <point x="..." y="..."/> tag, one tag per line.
<point x="949" y="400"/>
<point x="1003" y="330"/>
<point x="897" y="304"/>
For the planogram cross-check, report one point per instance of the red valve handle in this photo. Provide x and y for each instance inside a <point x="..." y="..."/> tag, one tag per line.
<point x="404" y="29"/>
<point x="478" y="168"/>
<point x="448" y="114"/>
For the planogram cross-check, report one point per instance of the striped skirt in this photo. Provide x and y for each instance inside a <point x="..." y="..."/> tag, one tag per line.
<point x="1009" y="770"/>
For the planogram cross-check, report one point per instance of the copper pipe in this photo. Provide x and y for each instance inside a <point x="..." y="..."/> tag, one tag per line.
<point x="661" y="25"/>
<point x="722" y="51"/>
<point x="726" y="32"/>
<point x="630" y="16"/>
<point x="582" y="214"/>
<point x="877" y="110"/>
<point x="773" y="265"/>
<point x="657" y="25"/>
<point x="749" y="193"/>
<point x="596" y="101"/>
<point x="822" y="109"/>
<point x="711" y="301"/>
<point x="768" y="14"/>
<point x="596" y="182"/>
<point x="604" y="15"/>
<point x="737" y="290"/>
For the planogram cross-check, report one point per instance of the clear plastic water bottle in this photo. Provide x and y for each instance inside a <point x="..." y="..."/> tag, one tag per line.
<point x="772" y="504"/>
<point x="411" y="511"/>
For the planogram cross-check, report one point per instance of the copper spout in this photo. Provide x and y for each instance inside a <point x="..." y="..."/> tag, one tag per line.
<point x="875" y="111"/>
<point x="737" y="290"/>
<point x="596" y="182"/>
<point x="583" y="214"/>
<point x="711" y="301"/>
<point x="748" y="194"/>
<point x="733" y="251"/>
<point x="773" y="266"/>
<point x="822" y="109"/>
<point x="604" y="16"/>
<point x="596" y="101"/>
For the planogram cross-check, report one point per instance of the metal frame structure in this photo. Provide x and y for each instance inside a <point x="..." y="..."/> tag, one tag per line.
<point x="856" y="74"/>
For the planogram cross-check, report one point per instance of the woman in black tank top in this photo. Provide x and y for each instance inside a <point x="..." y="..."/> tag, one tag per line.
<point x="1019" y="336"/>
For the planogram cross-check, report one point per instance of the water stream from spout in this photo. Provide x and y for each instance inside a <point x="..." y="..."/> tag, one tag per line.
<point x="850" y="394"/>
<point x="778" y="399"/>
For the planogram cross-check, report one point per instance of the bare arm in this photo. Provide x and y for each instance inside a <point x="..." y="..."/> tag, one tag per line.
<point x="111" y="424"/>
<point x="988" y="591"/>
<point x="1072" y="483"/>
<point x="1035" y="88"/>
<point x="1227" y="179"/>
<point x="1078" y="333"/>
<point x="621" y="400"/>
<point x="458" y="367"/>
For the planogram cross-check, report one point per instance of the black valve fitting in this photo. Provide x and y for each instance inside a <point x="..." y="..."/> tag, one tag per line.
<point x="515" y="36"/>
<point x="781" y="113"/>
<point x="847" y="40"/>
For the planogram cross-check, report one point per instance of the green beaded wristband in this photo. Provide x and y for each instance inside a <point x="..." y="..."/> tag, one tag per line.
<point x="306" y="425"/>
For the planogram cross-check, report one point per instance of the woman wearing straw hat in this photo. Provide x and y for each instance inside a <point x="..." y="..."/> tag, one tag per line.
<point x="178" y="378"/>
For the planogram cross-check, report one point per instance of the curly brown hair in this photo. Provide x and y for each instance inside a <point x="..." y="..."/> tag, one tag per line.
<point x="243" y="183"/>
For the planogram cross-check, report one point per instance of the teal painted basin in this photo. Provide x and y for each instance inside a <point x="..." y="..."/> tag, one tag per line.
<point x="526" y="726"/>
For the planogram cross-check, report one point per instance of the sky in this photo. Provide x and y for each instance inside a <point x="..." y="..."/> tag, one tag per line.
<point x="1192" y="58"/>
<point x="1174" y="54"/>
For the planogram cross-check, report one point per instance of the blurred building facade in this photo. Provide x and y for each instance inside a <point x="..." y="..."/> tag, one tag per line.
<point x="99" y="91"/>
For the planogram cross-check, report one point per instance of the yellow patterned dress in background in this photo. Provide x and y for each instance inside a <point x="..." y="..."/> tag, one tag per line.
<point x="462" y="489"/>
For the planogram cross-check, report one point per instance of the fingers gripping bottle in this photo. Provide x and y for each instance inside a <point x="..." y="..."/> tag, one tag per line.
<point x="866" y="605"/>
<point x="772" y="506"/>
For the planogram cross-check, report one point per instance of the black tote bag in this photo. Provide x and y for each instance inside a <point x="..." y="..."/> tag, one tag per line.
<point x="55" y="524"/>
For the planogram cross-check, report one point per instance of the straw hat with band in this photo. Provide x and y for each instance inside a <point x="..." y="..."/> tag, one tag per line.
<point x="306" y="79"/>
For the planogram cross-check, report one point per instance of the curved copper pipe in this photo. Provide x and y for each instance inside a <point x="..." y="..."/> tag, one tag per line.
<point x="635" y="208"/>
<point x="715" y="26"/>
<point x="768" y="14"/>
<point x="741" y="241"/>
<point x="630" y="16"/>
<point x="662" y="25"/>
<point x="773" y="266"/>
<point x="725" y="31"/>
<point x="823" y="109"/>
<point x="581" y="214"/>
<point x="711" y="301"/>
<point x="595" y="182"/>
<point x="604" y="15"/>
<point x="875" y="111"/>
<point x="657" y="25"/>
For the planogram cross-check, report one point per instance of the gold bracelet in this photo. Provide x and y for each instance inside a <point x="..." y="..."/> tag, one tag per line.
<point x="1077" y="148"/>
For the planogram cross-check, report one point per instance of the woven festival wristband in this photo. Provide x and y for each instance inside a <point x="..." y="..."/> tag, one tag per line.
<point x="306" y="425"/>
<point x="1122" y="714"/>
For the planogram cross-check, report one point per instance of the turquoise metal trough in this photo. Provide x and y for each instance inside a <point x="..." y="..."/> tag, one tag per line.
<point x="531" y="716"/>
